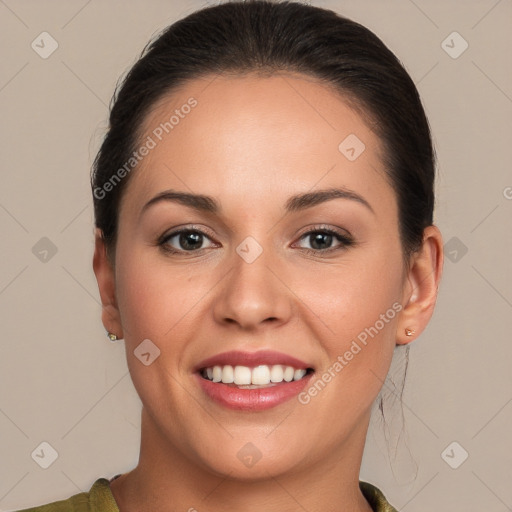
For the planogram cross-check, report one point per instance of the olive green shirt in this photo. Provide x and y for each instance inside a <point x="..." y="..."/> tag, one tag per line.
<point x="100" y="499"/>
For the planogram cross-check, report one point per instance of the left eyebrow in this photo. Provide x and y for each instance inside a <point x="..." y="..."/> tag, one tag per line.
<point x="299" y="202"/>
<point x="309" y="199"/>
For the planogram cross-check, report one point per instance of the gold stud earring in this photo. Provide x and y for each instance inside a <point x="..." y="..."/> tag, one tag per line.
<point x="111" y="336"/>
<point x="409" y="332"/>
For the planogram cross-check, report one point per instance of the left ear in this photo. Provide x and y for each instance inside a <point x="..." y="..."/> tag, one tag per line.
<point x="421" y="287"/>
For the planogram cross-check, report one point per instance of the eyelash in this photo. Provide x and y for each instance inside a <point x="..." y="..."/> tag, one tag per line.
<point x="345" y="240"/>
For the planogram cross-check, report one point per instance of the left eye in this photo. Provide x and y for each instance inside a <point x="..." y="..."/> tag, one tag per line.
<point x="321" y="240"/>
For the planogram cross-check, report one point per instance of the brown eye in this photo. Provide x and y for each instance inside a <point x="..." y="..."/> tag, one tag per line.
<point x="184" y="240"/>
<point x="322" y="240"/>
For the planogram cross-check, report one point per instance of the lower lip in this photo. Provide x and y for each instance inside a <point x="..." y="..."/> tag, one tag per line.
<point x="252" y="399"/>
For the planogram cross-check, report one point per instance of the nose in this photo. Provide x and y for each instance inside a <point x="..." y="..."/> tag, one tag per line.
<point x="251" y="295"/>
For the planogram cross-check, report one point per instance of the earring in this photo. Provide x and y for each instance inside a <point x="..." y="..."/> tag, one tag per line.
<point x="111" y="336"/>
<point x="409" y="332"/>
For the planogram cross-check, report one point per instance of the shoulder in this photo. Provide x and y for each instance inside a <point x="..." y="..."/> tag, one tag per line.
<point x="375" y="498"/>
<point x="98" y="499"/>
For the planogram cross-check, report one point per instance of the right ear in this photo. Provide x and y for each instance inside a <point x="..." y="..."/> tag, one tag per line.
<point x="105" y="276"/>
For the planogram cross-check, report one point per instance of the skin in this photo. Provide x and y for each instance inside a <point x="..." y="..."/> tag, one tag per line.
<point x="251" y="143"/>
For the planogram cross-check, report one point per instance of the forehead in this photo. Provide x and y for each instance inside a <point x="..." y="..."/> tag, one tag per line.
<point x="254" y="137"/>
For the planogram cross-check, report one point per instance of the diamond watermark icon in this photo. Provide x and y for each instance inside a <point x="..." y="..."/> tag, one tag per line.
<point x="454" y="45"/>
<point x="45" y="455"/>
<point x="249" y="250"/>
<point x="249" y="455"/>
<point x="455" y="250"/>
<point x="146" y="352"/>
<point x="351" y="147"/>
<point x="454" y="455"/>
<point x="44" y="45"/>
<point x="44" y="249"/>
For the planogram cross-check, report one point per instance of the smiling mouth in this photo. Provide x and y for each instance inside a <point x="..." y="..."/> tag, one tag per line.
<point x="261" y="376"/>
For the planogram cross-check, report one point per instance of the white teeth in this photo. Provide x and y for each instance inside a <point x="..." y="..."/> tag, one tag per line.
<point x="260" y="375"/>
<point x="289" y="372"/>
<point x="227" y="374"/>
<point x="298" y="374"/>
<point x="249" y="378"/>
<point x="276" y="373"/>
<point x="217" y="373"/>
<point x="242" y="375"/>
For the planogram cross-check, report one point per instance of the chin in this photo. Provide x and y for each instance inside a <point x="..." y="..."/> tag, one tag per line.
<point x="242" y="468"/>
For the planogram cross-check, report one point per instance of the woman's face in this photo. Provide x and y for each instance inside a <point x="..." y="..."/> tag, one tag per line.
<point x="259" y="272"/>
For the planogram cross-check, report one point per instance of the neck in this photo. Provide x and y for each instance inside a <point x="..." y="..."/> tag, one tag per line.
<point x="166" y="480"/>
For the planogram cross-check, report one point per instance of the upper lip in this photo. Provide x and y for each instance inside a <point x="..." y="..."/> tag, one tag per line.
<point x="251" y="359"/>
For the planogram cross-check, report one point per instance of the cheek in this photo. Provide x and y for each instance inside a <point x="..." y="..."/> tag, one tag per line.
<point x="155" y="304"/>
<point x="352" y="295"/>
<point x="154" y="297"/>
<point x="356" y="308"/>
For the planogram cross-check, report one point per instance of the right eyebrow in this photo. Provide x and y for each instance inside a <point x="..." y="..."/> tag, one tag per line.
<point x="198" y="202"/>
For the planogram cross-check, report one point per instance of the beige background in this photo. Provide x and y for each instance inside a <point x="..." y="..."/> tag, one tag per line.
<point x="65" y="384"/>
